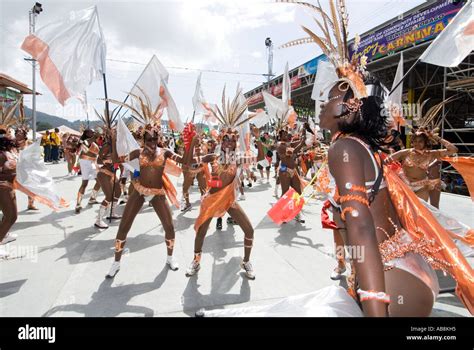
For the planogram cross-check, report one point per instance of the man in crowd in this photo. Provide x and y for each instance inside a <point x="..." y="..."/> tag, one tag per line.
<point x="55" y="143"/>
<point x="46" y="143"/>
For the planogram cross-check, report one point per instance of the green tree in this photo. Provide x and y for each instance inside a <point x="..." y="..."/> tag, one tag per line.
<point x="41" y="126"/>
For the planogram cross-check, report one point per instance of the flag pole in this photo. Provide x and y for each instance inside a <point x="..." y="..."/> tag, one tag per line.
<point x="108" y="119"/>
<point x="404" y="76"/>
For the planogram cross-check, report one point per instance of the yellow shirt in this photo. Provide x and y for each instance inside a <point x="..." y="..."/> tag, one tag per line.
<point x="55" y="141"/>
<point x="45" y="140"/>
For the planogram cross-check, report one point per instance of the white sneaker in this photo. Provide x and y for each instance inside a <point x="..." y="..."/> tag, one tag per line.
<point x="193" y="268"/>
<point x="10" y="237"/>
<point x="171" y="262"/>
<point x="4" y="252"/>
<point x="242" y="197"/>
<point x="186" y="207"/>
<point x="113" y="269"/>
<point x="247" y="266"/>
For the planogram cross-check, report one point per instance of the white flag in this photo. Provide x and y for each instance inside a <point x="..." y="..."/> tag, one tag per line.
<point x="198" y="97"/>
<point x="71" y="53"/>
<point x="175" y="122"/>
<point x="276" y="108"/>
<point x="455" y="42"/>
<point x="395" y="99"/>
<point x="148" y="84"/>
<point x="126" y="143"/>
<point x="33" y="176"/>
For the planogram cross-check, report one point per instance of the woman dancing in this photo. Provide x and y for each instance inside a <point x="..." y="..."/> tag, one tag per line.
<point x="192" y="170"/>
<point x="150" y="183"/>
<point x="106" y="176"/>
<point x="89" y="150"/>
<point x="416" y="162"/>
<point x="8" y="159"/>
<point x="224" y="184"/>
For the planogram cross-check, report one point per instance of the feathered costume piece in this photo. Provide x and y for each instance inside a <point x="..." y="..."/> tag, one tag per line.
<point x="333" y="43"/>
<point x="8" y="119"/>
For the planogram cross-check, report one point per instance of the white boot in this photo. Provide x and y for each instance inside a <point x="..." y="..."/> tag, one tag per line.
<point x="93" y="197"/>
<point x="113" y="269"/>
<point x="114" y="212"/>
<point x="100" y="223"/>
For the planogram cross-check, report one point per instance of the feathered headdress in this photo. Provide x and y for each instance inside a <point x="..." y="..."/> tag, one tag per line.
<point x="333" y="43"/>
<point x="432" y="118"/>
<point x="231" y="116"/>
<point x="145" y="115"/>
<point x="7" y="115"/>
<point x="22" y="121"/>
<point x="108" y="120"/>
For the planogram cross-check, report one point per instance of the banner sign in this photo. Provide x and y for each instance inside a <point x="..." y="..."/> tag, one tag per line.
<point x="295" y="83"/>
<point x="406" y="32"/>
<point x="310" y="67"/>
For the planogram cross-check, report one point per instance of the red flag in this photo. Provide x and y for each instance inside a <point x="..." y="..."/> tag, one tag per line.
<point x="287" y="207"/>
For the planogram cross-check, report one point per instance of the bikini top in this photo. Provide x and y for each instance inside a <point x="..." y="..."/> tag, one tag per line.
<point x="157" y="162"/>
<point x="368" y="184"/>
<point x="411" y="162"/>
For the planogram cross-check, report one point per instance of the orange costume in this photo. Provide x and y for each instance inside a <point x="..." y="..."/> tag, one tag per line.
<point x="215" y="205"/>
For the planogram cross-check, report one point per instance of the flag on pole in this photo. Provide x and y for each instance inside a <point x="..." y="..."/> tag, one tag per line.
<point x="198" y="98"/>
<point x="175" y="122"/>
<point x="148" y="84"/>
<point x="201" y="106"/>
<point x="126" y="143"/>
<point x="455" y="42"/>
<point x="71" y="53"/>
<point x="395" y="99"/>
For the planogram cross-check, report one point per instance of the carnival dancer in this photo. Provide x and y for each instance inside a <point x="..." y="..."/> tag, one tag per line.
<point x="25" y="172"/>
<point x="264" y="156"/>
<point x="416" y="161"/>
<point x="192" y="170"/>
<point x="70" y="146"/>
<point x="288" y="152"/>
<point x="106" y="176"/>
<point x="150" y="182"/>
<point x="224" y="183"/>
<point x="89" y="150"/>
<point x="8" y="158"/>
<point x="21" y="142"/>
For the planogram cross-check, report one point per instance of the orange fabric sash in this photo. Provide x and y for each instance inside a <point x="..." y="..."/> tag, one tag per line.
<point x="465" y="167"/>
<point x="418" y="221"/>
<point x="215" y="205"/>
<point x="43" y="200"/>
<point x="170" y="190"/>
<point x="172" y="168"/>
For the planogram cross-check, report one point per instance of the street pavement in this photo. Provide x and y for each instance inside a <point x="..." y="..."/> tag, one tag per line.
<point x="59" y="261"/>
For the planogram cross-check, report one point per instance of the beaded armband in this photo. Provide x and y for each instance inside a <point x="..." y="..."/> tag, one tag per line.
<point x="353" y="197"/>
